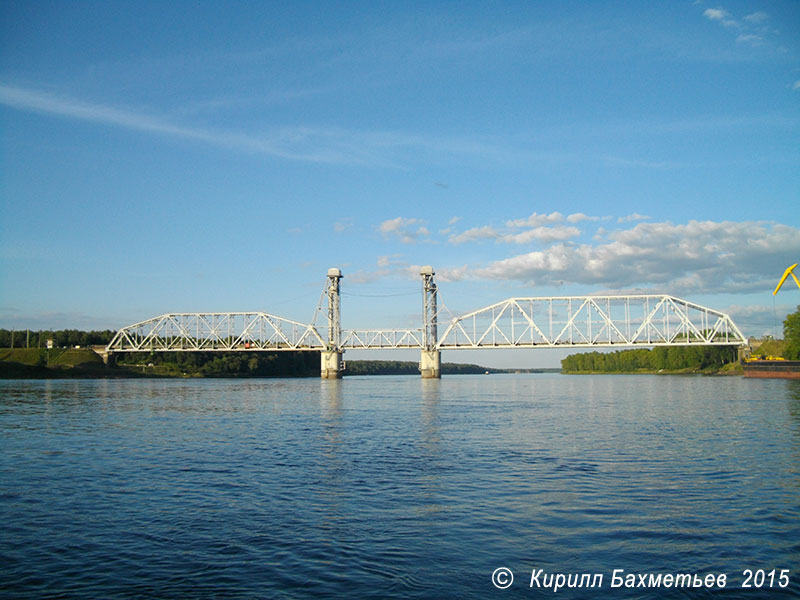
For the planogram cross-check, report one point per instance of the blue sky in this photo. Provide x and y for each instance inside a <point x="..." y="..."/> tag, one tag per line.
<point x="184" y="156"/>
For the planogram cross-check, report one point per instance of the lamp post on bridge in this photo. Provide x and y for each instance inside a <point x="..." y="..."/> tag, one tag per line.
<point x="430" y="361"/>
<point x="331" y="357"/>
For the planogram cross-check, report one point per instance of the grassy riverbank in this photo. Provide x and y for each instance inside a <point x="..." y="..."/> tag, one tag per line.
<point x="57" y="363"/>
<point x="41" y="363"/>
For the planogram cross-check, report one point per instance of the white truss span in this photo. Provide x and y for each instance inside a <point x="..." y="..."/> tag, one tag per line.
<point x="216" y="332"/>
<point x="573" y="321"/>
<point x="382" y="338"/>
<point x="591" y="321"/>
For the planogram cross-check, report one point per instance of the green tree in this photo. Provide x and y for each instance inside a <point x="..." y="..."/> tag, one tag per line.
<point x="791" y="333"/>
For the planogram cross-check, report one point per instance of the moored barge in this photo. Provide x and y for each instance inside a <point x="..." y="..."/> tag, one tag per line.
<point x="766" y="368"/>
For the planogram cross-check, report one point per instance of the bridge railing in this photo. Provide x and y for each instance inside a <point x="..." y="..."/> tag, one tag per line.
<point x="591" y="321"/>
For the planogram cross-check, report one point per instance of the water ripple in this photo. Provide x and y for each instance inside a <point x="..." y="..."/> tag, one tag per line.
<point x="392" y="487"/>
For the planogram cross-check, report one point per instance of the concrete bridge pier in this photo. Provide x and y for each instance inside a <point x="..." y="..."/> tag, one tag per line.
<point x="109" y="358"/>
<point x="430" y="364"/>
<point x="332" y="364"/>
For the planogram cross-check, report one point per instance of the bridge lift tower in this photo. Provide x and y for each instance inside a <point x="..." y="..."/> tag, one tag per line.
<point x="430" y="364"/>
<point x="332" y="364"/>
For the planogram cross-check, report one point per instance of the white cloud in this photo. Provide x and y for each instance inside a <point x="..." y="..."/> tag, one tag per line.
<point x="396" y="224"/>
<point x="452" y="274"/>
<point x="716" y="14"/>
<point x="309" y="144"/>
<point x="760" y="320"/>
<point x="542" y="234"/>
<point x="449" y="228"/>
<point x="282" y="143"/>
<point x="407" y="229"/>
<point x="391" y="260"/>
<point x="698" y="257"/>
<point x="754" y="29"/>
<point x="475" y="234"/>
<point x="720" y="15"/>
<point x="536" y="219"/>
<point x="578" y="217"/>
<point x="757" y="18"/>
<point x="796" y="85"/>
<point x="632" y="217"/>
<point x="750" y="38"/>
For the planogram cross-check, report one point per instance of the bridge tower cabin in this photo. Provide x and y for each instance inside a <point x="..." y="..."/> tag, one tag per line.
<point x="331" y="357"/>
<point x="430" y="364"/>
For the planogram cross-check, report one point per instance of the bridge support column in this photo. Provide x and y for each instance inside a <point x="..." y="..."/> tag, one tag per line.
<point x="332" y="364"/>
<point x="430" y="364"/>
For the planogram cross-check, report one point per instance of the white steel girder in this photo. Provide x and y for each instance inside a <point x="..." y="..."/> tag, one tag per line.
<point x="564" y="321"/>
<point x="591" y="321"/>
<point x="382" y="338"/>
<point x="235" y="331"/>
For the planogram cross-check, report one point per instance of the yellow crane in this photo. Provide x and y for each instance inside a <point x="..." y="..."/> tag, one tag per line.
<point x="786" y="274"/>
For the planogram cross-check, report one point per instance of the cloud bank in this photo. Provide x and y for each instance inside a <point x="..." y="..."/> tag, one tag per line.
<point x="698" y="257"/>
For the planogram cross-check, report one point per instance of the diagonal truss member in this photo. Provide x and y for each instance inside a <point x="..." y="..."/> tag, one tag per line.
<point x="563" y="321"/>
<point x="216" y="331"/>
<point x="591" y="321"/>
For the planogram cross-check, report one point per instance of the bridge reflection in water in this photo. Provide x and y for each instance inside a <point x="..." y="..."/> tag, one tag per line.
<point x="543" y="322"/>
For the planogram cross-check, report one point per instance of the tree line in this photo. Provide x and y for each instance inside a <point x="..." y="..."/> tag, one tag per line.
<point x="22" y="338"/>
<point x="224" y="364"/>
<point x="404" y="367"/>
<point x="675" y="358"/>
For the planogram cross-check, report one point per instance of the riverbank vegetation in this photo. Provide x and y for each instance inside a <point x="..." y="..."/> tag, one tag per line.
<point x="221" y="364"/>
<point x="62" y="338"/>
<point x="36" y="363"/>
<point x="676" y="359"/>
<point x="398" y="367"/>
<point x="791" y="333"/>
<point x="41" y="363"/>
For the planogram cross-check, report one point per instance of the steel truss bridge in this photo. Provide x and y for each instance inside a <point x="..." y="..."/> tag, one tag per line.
<point x="542" y="322"/>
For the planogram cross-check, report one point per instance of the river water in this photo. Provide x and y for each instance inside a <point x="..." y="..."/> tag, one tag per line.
<point x="395" y="487"/>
